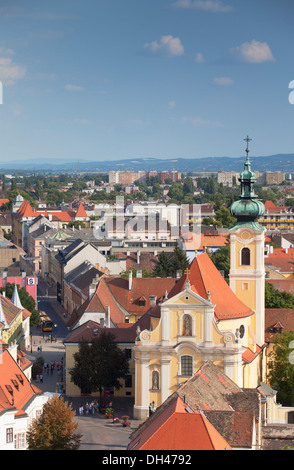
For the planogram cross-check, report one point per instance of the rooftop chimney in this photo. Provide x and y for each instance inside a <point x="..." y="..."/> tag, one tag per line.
<point x="152" y="300"/>
<point x="107" y="317"/>
<point x="130" y="279"/>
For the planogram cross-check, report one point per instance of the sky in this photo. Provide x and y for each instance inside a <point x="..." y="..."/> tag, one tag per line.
<point x="115" y="79"/>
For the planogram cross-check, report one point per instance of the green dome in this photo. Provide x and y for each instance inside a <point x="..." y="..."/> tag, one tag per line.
<point x="248" y="209"/>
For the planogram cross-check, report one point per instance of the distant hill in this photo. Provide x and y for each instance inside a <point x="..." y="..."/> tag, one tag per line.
<point x="279" y="162"/>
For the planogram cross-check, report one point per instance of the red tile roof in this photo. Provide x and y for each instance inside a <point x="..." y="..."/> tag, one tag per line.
<point x="273" y="316"/>
<point x="271" y="207"/>
<point x="281" y="258"/>
<point x="195" y="241"/>
<point x="3" y="201"/>
<point x="14" y="385"/>
<point x="178" y="428"/>
<point x="81" y="211"/>
<point x="101" y="299"/>
<point x="204" y="278"/>
<point x="26" y="210"/>
<point x="129" y="299"/>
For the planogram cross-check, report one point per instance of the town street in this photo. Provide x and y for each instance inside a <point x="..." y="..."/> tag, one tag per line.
<point x="98" y="433"/>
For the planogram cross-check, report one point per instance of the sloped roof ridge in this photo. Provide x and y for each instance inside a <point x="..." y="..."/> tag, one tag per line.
<point x="114" y="299"/>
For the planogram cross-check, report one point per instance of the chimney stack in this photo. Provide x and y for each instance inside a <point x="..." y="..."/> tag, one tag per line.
<point x="130" y="279"/>
<point x="152" y="300"/>
<point x="107" y="317"/>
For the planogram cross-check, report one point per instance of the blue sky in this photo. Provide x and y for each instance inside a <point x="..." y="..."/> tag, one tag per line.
<point x="113" y="79"/>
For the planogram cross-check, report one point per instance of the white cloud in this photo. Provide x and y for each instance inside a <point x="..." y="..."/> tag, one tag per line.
<point x="171" y="104"/>
<point x="10" y="71"/>
<point x="254" y="52"/>
<point x="200" y="122"/>
<point x="199" y="58"/>
<point x="223" y="81"/>
<point x="168" y="45"/>
<point x="70" y="87"/>
<point x="212" y="6"/>
<point x="5" y="51"/>
<point x="16" y="109"/>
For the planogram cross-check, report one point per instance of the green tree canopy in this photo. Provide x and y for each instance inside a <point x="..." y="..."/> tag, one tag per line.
<point x="169" y="265"/>
<point x="164" y="268"/>
<point x="221" y="259"/>
<point x="276" y="299"/>
<point x="26" y="300"/>
<point x="99" y="365"/>
<point x="281" y="368"/>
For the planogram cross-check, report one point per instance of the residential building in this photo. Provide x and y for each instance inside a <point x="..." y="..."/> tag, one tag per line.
<point x="78" y="252"/>
<point x="20" y="401"/>
<point x="88" y="331"/>
<point x="279" y="263"/>
<point x="25" y="216"/>
<point x="14" y="321"/>
<point x="277" y="217"/>
<point x="274" y="177"/>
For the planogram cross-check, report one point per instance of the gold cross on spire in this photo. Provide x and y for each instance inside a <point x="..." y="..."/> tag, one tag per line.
<point x="187" y="272"/>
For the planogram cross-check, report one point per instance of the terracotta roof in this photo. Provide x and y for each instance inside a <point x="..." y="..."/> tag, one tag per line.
<point x="271" y="207"/>
<point x="14" y="385"/>
<point x="282" y="259"/>
<point x="284" y="316"/>
<point x="101" y="299"/>
<point x="129" y="299"/>
<point x="195" y="241"/>
<point x="146" y="261"/>
<point x="283" y="285"/>
<point x="81" y="211"/>
<point x="230" y="409"/>
<point x="176" y="428"/>
<point x="3" y="201"/>
<point x="91" y="330"/>
<point x="204" y="278"/>
<point x="248" y="355"/>
<point x="26" y="210"/>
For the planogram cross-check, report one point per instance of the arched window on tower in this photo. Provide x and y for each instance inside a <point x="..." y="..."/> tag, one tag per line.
<point x="245" y="257"/>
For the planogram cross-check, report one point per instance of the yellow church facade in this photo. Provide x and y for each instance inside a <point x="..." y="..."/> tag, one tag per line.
<point x="205" y="319"/>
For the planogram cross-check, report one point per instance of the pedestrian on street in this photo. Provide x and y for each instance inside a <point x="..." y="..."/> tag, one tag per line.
<point x="41" y="378"/>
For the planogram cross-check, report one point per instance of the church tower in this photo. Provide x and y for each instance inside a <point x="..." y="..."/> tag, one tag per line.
<point x="247" y="276"/>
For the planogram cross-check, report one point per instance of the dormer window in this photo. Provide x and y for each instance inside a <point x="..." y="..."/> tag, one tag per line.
<point x="142" y="301"/>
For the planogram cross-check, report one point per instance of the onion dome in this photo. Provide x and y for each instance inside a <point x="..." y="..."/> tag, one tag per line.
<point x="248" y="209"/>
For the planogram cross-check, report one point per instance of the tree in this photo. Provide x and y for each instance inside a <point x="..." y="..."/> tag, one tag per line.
<point x="27" y="301"/>
<point x="164" y="268"/>
<point x="221" y="259"/>
<point x="223" y="215"/>
<point x="55" y="429"/>
<point x="99" y="365"/>
<point x="281" y="369"/>
<point x="276" y="299"/>
<point x="179" y="261"/>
